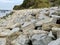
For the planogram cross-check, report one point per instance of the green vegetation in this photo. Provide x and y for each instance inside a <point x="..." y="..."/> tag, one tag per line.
<point x="55" y="2"/>
<point x="30" y="4"/>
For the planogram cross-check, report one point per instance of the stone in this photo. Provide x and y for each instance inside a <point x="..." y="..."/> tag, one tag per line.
<point x="40" y="39"/>
<point x="47" y="27"/>
<point x="55" y="42"/>
<point x="4" y="32"/>
<point x="16" y="25"/>
<point x="39" y="32"/>
<point x="32" y="32"/>
<point x="31" y="27"/>
<point x="27" y="26"/>
<point x="21" y="40"/>
<point x="57" y="31"/>
<point x="3" y="41"/>
<point x="50" y="34"/>
<point x="14" y="31"/>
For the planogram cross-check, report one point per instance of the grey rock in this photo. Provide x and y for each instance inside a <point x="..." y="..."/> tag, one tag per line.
<point x="56" y="42"/>
<point x="40" y="39"/>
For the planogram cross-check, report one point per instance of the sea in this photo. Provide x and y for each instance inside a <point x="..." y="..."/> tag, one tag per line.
<point x="4" y="12"/>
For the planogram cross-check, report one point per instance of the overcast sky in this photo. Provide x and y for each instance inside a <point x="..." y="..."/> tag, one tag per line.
<point x="9" y="4"/>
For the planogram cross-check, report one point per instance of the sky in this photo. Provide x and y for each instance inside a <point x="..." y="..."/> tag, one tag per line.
<point x="9" y="4"/>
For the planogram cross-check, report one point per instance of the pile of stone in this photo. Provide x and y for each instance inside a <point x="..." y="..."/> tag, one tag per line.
<point x="31" y="27"/>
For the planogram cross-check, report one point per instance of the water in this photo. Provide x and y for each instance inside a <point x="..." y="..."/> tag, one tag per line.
<point x="4" y="12"/>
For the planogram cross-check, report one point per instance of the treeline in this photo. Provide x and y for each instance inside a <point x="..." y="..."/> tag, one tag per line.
<point x="30" y="4"/>
<point x="54" y="2"/>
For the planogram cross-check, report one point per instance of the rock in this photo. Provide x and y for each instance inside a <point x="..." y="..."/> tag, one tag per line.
<point x="21" y="40"/>
<point x="40" y="39"/>
<point x="47" y="26"/>
<point x="3" y="41"/>
<point x="14" y="31"/>
<point x="13" y="26"/>
<point x="16" y="25"/>
<point x="39" y="32"/>
<point x="50" y="34"/>
<point x="30" y="27"/>
<point x="56" y="42"/>
<point x="32" y="32"/>
<point x="6" y="32"/>
<point x="57" y="31"/>
<point x="27" y="26"/>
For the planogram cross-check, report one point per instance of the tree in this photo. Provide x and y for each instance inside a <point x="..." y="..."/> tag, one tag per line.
<point x="57" y="2"/>
<point x="27" y="4"/>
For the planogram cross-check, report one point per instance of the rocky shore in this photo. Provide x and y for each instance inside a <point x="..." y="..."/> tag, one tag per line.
<point x="31" y="27"/>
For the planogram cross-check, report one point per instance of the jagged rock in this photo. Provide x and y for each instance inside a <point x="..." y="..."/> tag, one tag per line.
<point x="50" y="34"/>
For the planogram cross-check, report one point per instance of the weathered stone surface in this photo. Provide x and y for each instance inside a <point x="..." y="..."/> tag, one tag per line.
<point x="40" y="39"/>
<point x="3" y="41"/>
<point x="47" y="26"/>
<point x="19" y="28"/>
<point x="4" y="32"/>
<point x="56" y="42"/>
<point x="9" y="32"/>
<point x="57" y="31"/>
<point x="21" y="40"/>
<point x="27" y="26"/>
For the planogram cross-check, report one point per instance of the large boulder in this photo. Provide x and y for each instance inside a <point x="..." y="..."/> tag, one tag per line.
<point x="56" y="42"/>
<point x="40" y="39"/>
